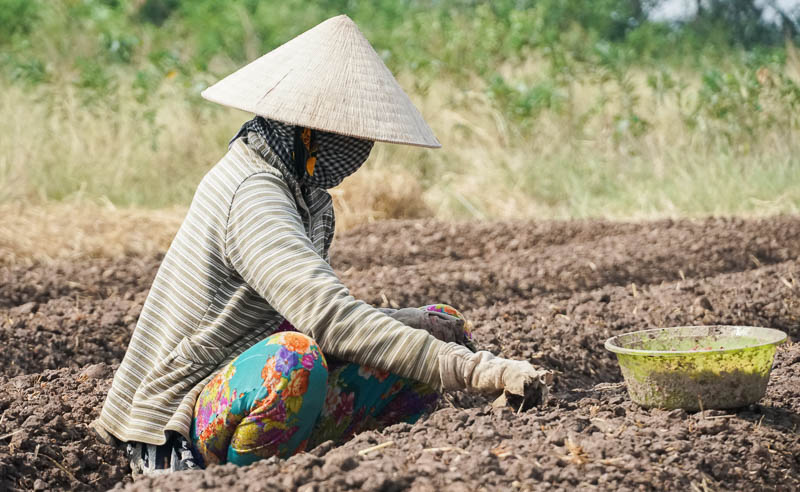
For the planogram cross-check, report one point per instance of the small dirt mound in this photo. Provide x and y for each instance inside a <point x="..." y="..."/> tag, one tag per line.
<point x="483" y="267"/>
<point x="67" y="332"/>
<point x="46" y="442"/>
<point x="95" y="279"/>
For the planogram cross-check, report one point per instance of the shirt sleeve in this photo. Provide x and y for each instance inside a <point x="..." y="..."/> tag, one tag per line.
<point x="267" y="245"/>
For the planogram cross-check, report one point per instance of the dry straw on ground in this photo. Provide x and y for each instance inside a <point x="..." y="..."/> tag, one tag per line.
<point x="42" y="234"/>
<point x="77" y="230"/>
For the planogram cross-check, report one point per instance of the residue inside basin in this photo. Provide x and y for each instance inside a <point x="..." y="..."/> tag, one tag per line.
<point x="694" y="339"/>
<point x="695" y="343"/>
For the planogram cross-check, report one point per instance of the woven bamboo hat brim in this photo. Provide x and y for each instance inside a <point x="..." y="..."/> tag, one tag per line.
<point x="328" y="78"/>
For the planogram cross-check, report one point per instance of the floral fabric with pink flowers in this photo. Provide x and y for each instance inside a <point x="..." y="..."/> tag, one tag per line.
<point x="281" y="396"/>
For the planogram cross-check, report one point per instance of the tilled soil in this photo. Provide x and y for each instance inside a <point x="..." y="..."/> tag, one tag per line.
<point x="549" y="292"/>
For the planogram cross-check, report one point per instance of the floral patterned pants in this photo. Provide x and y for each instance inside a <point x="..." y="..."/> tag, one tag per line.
<point x="281" y="396"/>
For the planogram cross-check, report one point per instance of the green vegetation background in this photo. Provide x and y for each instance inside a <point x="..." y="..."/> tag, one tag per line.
<point x="558" y="108"/>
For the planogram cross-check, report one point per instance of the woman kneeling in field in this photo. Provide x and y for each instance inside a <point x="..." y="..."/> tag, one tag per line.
<point x="248" y="345"/>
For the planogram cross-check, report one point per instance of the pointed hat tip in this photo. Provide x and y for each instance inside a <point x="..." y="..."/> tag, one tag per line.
<point x="339" y="19"/>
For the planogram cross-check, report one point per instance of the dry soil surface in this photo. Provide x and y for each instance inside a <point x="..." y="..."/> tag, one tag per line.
<point x="548" y="292"/>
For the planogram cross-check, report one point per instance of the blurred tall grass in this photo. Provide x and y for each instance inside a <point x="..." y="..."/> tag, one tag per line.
<point x="545" y="108"/>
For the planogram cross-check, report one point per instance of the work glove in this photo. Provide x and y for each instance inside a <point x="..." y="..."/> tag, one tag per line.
<point x="515" y="383"/>
<point x="442" y="326"/>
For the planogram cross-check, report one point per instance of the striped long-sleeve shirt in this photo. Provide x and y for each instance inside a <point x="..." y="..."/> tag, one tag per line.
<point x="251" y="252"/>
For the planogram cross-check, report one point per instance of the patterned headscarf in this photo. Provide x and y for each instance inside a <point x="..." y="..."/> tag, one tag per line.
<point x="327" y="158"/>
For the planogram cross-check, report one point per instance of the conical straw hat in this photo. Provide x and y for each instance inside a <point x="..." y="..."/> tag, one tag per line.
<point x="328" y="78"/>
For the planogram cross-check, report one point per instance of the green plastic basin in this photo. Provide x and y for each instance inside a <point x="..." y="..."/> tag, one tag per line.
<point x="697" y="367"/>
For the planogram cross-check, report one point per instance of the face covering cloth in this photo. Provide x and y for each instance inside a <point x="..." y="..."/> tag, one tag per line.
<point x="329" y="157"/>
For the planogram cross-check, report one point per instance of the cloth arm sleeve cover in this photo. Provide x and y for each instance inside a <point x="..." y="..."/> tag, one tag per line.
<point x="267" y="245"/>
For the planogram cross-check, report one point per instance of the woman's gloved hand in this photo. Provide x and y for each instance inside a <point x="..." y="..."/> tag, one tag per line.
<point x="443" y="326"/>
<point x="517" y="383"/>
